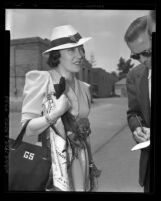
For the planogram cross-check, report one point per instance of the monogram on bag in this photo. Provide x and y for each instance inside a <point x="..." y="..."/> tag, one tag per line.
<point x="28" y="155"/>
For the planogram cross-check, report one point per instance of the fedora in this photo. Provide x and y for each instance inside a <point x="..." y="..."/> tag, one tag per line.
<point x="65" y="36"/>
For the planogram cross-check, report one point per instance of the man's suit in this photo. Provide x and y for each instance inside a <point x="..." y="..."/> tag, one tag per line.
<point x="139" y="104"/>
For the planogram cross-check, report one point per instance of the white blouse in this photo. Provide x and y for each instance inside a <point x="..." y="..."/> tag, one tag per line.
<point x="36" y="89"/>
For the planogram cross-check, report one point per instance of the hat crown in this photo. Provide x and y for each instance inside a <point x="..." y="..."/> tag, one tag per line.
<point x="62" y="31"/>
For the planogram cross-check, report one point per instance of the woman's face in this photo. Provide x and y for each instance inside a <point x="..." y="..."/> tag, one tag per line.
<point x="71" y="59"/>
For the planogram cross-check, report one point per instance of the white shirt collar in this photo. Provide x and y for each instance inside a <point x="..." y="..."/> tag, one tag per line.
<point x="149" y="76"/>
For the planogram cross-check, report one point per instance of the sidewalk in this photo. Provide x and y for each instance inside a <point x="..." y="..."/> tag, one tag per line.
<point x="108" y="119"/>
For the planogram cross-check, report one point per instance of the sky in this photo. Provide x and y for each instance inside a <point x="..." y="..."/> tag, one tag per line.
<point x="106" y="27"/>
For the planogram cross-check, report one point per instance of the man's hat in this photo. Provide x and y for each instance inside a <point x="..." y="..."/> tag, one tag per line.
<point x="65" y="37"/>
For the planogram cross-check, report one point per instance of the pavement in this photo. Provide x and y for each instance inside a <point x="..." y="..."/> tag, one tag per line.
<point x="108" y="119"/>
<point x="111" y="143"/>
<point x="119" y="165"/>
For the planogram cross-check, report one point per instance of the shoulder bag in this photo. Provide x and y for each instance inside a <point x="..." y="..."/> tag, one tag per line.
<point x="29" y="164"/>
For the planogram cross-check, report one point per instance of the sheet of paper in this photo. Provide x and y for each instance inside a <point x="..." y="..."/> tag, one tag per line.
<point x="141" y="145"/>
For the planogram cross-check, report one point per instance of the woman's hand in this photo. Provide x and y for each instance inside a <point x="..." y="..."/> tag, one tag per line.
<point x="61" y="106"/>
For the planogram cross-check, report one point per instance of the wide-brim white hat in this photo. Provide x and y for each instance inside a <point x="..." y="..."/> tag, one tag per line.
<point x="65" y="37"/>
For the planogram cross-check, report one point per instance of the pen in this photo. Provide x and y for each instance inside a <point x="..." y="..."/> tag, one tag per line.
<point x="140" y="123"/>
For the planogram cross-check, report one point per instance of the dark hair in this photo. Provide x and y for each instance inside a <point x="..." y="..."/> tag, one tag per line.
<point x="83" y="49"/>
<point x="137" y="27"/>
<point x="53" y="60"/>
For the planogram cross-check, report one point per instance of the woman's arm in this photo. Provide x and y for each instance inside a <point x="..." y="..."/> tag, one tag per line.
<point x="39" y="124"/>
<point x="88" y="143"/>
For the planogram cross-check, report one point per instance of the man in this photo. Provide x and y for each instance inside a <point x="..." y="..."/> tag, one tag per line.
<point x="139" y="92"/>
<point x="151" y="22"/>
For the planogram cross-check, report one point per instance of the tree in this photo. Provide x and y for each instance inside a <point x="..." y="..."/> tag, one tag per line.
<point x="114" y="76"/>
<point x="123" y="67"/>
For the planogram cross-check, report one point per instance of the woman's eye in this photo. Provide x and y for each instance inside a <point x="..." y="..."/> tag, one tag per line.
<point x="71" y="50"/>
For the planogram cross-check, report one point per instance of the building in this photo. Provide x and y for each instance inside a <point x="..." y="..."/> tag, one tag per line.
<point x="25" y="55"/>
<point x="85" y="73"/>
<point x="120" y="88"/>
<point x="102" y="84"/>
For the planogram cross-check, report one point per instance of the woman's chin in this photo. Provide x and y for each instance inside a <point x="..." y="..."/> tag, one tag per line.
<point x="77" y="69"/>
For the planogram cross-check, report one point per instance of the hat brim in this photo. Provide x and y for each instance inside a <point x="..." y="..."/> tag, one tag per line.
<point x="68" y="45"/>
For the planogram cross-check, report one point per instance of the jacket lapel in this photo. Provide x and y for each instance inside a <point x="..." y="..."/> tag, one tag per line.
<point x="144" y="95"/>
<point x="72" y="95"/>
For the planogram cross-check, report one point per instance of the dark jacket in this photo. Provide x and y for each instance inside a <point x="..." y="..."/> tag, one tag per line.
<point x="139" y="104"/>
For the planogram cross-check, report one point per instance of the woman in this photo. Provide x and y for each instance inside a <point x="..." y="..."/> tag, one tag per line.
<point x="72" y="162"/>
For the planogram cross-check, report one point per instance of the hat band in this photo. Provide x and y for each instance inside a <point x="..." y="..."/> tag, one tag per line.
<point x="61" y="41"/>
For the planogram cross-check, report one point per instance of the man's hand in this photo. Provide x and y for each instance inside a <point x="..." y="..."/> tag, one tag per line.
<point x="147" y="132"/>
<point x="141" y="135"/>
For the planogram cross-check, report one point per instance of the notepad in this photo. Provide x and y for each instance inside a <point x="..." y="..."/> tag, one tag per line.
<point x="141" y="145"/>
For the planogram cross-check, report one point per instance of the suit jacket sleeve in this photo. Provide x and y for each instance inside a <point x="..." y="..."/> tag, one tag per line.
<point x="133" y="104"/>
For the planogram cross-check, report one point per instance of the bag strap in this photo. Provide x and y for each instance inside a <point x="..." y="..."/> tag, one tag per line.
<point x="20" y="136"/>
